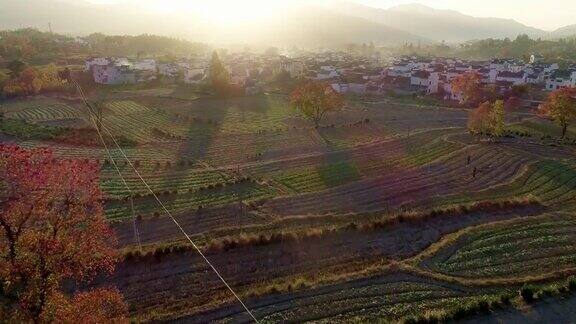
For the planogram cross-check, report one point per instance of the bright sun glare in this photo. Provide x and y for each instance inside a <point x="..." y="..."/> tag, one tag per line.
<point x="222" y="12"/>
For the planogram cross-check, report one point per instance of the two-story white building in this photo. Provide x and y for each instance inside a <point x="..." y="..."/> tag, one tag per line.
<point x="515" y="78"/>
<point x="425" y="81"/>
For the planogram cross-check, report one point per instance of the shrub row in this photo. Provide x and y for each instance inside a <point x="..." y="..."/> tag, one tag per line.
<point x="528" y="293"/>
<point x="246" y="240"/>
<point x="157" y="253"/>
<point x="481" y="206"/>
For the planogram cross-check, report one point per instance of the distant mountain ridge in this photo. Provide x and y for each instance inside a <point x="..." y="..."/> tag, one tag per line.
<point x="565" y="31"/>
<point x="311" y="26"/>
<point x="440" y="25"/>
<point x="335" y="24"/>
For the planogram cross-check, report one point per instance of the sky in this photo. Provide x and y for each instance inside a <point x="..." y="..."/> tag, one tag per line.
<point x="547" y="15"/>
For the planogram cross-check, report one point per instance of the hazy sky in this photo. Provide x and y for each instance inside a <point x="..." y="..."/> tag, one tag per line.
<point x="547" y="15"/>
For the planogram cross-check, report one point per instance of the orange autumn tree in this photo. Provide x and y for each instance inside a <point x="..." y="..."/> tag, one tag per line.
<point x="469" y="86"/>
<point x="52" y="231"/>
<point x="560" y="107"/>
<point x="488" y="118"/>
<point x="314" y="99"/>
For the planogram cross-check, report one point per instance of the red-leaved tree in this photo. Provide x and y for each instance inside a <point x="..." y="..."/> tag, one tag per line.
<point x="468" y="86"/>
<point x="52" y="231"/>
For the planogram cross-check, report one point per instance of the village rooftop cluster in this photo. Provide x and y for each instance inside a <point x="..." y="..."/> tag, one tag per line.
<point x="347" y="74"/>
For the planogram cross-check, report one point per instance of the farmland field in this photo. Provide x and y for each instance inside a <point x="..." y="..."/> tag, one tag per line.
<point x="387" y="212"/>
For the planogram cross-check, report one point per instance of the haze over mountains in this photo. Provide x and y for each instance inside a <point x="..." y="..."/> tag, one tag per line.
<point x="440" y="25"/>
<point x="333" y="24"/>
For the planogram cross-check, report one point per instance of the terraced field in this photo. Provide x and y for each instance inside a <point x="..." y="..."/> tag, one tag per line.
<point x="160" y="180"/>
<point x="389" y="211"/>
<point x="400" y="184"/>
<point x="41" y="110"/>
<point x="551" y="181"/>
<point x="522" y="248"/>
<point x="141" y="123"/>
<point x="388" y="297"/>
<point x="192" y="200"/>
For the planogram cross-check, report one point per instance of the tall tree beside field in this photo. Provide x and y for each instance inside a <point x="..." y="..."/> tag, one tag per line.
<point x="497" y="118"/>
<point x="487" y="119"/>
<point x="315" y="99"/>
<point x="218" y="75"/>
<point x="478" y="119"/>
<point x="52" y="231"/>
<point x="561" y="107"/>
<point x="468" y="86"/>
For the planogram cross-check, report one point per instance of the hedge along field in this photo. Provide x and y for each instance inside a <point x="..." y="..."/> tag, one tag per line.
<point x="215" y="195"/>
<point x="539" y="127"/>
<point x="518" y="248"/>
<point x="161" y="179"/>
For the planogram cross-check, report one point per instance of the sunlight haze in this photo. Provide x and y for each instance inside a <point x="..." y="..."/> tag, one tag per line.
<point x="555" y="14"/>
<point x="287" y="161"/>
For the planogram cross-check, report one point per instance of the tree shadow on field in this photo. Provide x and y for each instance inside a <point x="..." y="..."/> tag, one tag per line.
<point x="381" y="176"/>
<point x="212" y="142"/>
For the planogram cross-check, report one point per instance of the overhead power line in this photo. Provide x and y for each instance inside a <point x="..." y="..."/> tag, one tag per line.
<point x="85" y="100"/>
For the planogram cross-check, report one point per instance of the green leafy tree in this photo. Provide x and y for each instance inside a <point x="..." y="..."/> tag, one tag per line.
<point x="218" y="76"/>
<point x="497" y="118"/>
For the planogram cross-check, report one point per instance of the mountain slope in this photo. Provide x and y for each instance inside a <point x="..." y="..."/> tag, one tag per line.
<point x="308" y="26"/>
<point x="566" y="31"/>
<point x="438" y="25"/>
<point x="313" y="26"/>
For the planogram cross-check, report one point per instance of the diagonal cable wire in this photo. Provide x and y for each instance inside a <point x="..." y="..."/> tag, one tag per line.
<point x="134" y="225"/>
<point x="81" y="92"/>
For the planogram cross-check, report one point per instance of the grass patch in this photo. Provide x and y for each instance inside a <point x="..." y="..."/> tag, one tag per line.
<point x="24" y="130"/>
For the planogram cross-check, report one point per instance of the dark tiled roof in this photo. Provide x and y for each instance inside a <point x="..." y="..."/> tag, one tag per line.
<point x="421" y="74"/>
